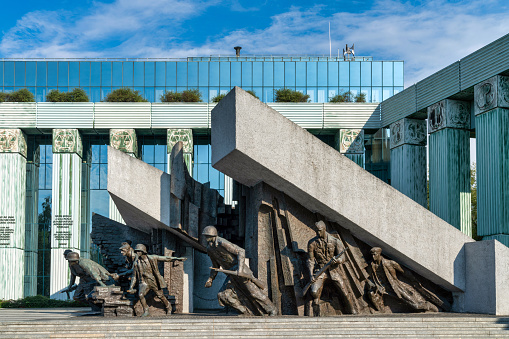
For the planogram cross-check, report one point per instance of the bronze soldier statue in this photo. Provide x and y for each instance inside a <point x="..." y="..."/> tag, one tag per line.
<point x="229" y="258"/>
<point x="130" y="256"/>
<point x="91" y="274"/>
<point x="385" y="283"/>
<point x="325" y="252"/>
<point x="146" y="274"/>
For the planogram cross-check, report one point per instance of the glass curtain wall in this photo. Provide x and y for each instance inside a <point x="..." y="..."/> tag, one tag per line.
<point x="320" y="78"/>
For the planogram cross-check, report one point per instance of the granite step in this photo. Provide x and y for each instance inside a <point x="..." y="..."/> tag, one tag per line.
<point x="185" y="326"/>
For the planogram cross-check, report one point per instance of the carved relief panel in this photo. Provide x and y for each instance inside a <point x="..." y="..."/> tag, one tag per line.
<point x="124" y="140"/>
<point x="67" y="141"/>
<point x="449" y="114"/>
<point x="351" y="141"/>
<point x="491" y="93"/>
<point x="13" y="141"/>
<point x="408" y="131"/>
<point x="184" y="135"/>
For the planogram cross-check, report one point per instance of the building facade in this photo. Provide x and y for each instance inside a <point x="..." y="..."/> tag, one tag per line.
<point x="53" y="156"/>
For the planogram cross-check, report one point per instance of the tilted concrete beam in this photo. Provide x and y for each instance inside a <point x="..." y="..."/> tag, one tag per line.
<point x="251" y="142"/>
<point x="142" y="195"/>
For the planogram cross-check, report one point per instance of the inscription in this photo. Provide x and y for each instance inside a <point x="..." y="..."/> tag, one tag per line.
<point x="62" y="235"/>
<point x="7" y="224"/>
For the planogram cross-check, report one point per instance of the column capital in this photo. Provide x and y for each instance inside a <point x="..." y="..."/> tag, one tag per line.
<point x="67" y="141"/>
<point x="408" y="131"/>
<point x="449" y="114"/>
<point x="491" y="93"/>
<point x="13" y="141"/>
<point x="124" y="140"/>
<point x="182" y="134"/>
<point x="351" y="141"/>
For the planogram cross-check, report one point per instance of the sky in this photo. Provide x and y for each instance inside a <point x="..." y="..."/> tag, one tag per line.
<point x="427" y="35"/>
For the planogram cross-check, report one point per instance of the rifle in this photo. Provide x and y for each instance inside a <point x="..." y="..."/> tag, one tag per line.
<point x="321" y="271"/>
<point x="69" y="289"/>
<point x="256" y="281"/>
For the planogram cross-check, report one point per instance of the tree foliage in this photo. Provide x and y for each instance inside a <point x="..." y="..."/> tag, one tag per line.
<point x="76" y="95"/>
<point x="348" y="97"/>
<point x="22" y="95"/>
<point x="188" y="95"/>
<point x="218" y="97"/>
<point x="124" y="94"/>
<point x="361" y="97"/>
<point x="473" y="198"/>
<point x="290" y="95"/>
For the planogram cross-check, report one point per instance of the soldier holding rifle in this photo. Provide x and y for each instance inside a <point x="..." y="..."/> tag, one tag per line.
<point x="325" y="251"/>
<point x="230" y="258"/>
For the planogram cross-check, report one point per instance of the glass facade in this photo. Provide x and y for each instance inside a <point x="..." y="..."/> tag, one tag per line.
<point x="319" y="77"/>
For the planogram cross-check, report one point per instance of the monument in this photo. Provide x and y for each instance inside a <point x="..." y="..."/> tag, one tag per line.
<point x="311" y="229"/>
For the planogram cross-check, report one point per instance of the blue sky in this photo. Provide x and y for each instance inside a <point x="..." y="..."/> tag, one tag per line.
<point x="427" y="35"/>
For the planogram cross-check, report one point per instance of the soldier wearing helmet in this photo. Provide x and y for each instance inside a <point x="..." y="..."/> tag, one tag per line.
<point x="91" y="274"/>
<point x="226" y="255"/>
<point x="146" y="275"/>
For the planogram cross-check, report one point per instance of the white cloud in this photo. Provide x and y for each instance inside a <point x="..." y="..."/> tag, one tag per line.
<point x="428" y="35"/>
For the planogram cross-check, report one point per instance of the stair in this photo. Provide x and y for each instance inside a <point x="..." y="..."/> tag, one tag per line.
<point x="198" y="326"/>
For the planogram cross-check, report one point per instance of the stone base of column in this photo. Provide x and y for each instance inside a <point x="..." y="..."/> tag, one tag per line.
<point x="11" y="273"/>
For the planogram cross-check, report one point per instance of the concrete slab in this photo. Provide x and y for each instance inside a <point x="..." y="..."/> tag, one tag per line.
<point x="487" y="278"/>
<point x="251" y="142"/>
<point x="142" y="195"/>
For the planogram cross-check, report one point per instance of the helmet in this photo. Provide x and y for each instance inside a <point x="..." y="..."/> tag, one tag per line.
<point x="140" y="248"/>
<point x="72" y="256"/>
<point x="209" y="231"/>
<point x="320" y="225"/>
<point x="125" y="245"/>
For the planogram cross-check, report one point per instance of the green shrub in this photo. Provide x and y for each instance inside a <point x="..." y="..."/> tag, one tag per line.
<point x="361" y="97"/>
<point x="124" y="94"/>
<point x="76" y="95"/>
<point x="188" y="95"/>
<point x="40" y="301"/>
<point x="22" y="95"/>
<point x="170" y="96"/>
<point x="253" y="94"/>
<point x="342" y="97"/>
<point x="289" y="95"/>
<point x="218" y="97"/>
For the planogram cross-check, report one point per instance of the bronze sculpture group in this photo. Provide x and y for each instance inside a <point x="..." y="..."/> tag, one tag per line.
<point x="242" y="291"/>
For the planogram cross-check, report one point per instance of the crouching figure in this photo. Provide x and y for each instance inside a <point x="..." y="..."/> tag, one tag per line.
<point x="242" y="291"/>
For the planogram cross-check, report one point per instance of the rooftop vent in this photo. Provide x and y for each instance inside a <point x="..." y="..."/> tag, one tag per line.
<point x="237" y="50"/>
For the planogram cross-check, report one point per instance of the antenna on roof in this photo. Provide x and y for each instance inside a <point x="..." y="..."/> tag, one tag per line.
<point x="330" y="44"/>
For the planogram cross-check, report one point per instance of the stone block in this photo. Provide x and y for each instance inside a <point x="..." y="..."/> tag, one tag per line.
<point x="67" y="141"/>
<point x="449" y="114"/>
<point x="13" y="141"/>
<point x="408" y="131"/>
<point x="491" y="93"/>
<point x="176" y="135"/>
<point x="124" y="140"/>
<point x="487" y="279"/>
<point x="293" y="161"/>
<point x="350" y="141"/>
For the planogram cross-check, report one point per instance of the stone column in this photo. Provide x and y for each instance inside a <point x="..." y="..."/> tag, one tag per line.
<point x="449" y="163"/>
<point x="124" y="140"/>
<point x="186" y="136"/>
<point x="31" y="224"/>
<point x="350" y="143"/>
<point x="13" y="152"/>
<point x="408" y="158"/>
<point x="492" y="148"/>
<point x="66" y="205"/>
